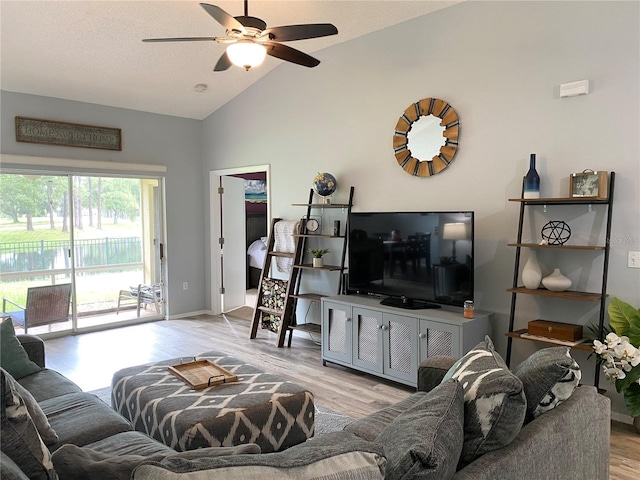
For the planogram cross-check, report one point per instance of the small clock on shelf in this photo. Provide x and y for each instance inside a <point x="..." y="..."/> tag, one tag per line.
<point x="313" y="224"/>
<point x="588" y="184"/>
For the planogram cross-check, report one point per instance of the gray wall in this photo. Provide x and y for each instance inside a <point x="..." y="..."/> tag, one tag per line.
<point x="500" y="65"/>
<point x="146" y="138"/>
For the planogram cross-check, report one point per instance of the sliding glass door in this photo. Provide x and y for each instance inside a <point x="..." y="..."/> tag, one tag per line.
<point x="35" y="242"/>
<point x="100" y="233"/>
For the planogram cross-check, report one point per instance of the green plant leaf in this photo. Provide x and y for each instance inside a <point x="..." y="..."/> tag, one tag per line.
<point x="632" y="400"/>
<point x="630" y="378"/>
<point x="621" y="316"/>
<point x="318" y="252"/>
<point x="634" y="330"/>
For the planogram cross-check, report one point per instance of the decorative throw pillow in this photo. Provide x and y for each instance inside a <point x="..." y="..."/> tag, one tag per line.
<point x="19" y="438"/>
<point x="426" y="441"/>
<point x="335" y="456"/>
<point x="494" y="401"/>
<point x="13" y="357"/>
<point x="48" y="435"/>
<point x="549" y="377"/>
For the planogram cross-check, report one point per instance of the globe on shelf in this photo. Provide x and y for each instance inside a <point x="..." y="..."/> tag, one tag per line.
<point x="325" y="184"/>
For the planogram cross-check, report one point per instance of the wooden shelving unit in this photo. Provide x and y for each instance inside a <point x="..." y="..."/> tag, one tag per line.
<point x="300" y="266"/>
<point x="568" y="294"/>
<point x="516" y="289"/>
<point x="557" y="247"/>
<point x="518" y="334"/>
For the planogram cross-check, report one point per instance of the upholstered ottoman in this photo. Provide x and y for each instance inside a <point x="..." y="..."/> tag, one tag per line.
<point x="259" y="408"/>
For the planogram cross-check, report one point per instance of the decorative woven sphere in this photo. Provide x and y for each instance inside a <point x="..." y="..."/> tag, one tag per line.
<point x="556" y="232"/>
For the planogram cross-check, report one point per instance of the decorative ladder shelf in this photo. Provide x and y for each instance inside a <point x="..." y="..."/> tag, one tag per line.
<point x="286" y="312"/>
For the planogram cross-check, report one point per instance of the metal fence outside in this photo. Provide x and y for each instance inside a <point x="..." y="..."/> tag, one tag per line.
<point x="55" y="254"/>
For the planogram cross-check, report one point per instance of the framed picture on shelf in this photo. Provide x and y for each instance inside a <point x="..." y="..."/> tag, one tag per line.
<point x="588" y="184"/>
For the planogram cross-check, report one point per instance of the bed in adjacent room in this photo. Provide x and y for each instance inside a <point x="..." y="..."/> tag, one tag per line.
<point x="256" y="248"/>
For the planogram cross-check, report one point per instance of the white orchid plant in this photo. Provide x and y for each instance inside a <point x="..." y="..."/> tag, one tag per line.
<point x="619" y="352"/>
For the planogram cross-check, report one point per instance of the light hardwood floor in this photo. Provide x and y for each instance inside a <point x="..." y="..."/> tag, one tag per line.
<point x="91" y="359"/>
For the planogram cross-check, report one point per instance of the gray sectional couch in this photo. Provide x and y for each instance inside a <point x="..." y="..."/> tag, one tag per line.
<point x="80" y="419"/>
<point x="421" y="437"/>
<point x="570" y="441"/>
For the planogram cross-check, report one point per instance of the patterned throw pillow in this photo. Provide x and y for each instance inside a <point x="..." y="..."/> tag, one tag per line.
<point x="48" y="435"/>
<point x="549" y="377"/>
<point x="20" y="440"/>
<point x="494" y="401"/>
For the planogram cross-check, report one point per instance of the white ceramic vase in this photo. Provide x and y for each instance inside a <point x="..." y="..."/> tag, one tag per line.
<point x="318" y="262"/>
<point x="531" y="273"/>
<point x="556" y="282"/>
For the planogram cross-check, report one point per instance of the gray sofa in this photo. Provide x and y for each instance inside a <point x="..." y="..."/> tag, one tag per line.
<point x="567" y="441"/>
<point x="414" y="438"/>
<point x="571" y="441"/>
<point x="80" y="419"/>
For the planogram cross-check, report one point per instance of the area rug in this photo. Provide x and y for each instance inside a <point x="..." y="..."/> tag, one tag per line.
<point x="326" y="420"/>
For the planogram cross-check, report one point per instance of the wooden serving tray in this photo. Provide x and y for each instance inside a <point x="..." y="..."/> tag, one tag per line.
<point x="201" y="374"/>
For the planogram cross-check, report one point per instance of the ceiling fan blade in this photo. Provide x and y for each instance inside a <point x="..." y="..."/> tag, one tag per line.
<point x="223" y="18"/>
<point x="301" y="32"/>
<point x="223" y="63"/>
<point x="181" y="39"/>
<point x="290" y="54"/>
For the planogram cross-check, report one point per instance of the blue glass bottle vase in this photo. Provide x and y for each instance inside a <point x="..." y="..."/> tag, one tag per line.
<point x="532" y="180"/>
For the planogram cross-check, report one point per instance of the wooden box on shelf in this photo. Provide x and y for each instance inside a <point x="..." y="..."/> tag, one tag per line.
<point x="557" y="330"/>
<point x="589" y="184"/>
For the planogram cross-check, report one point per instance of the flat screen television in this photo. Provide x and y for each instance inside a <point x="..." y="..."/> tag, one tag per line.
<point x="413" y="259"/>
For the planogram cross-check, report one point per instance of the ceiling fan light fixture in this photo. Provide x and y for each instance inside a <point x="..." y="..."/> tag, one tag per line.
<point x="246" y="54"/>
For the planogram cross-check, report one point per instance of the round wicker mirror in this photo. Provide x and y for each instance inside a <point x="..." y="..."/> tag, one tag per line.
<point x="442" y="152"/>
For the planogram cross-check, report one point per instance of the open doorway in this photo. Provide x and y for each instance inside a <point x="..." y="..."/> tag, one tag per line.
<point x="239" y="222"/>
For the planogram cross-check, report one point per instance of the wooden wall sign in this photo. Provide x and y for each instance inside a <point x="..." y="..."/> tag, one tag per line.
<point x="34" y="130"/>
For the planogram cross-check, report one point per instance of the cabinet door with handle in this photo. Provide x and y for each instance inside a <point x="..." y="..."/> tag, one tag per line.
<point x="337" y="331"/>
<point x="438" y="339"/>
<point x="400" y="347"/>
<point x="367" y="339"/>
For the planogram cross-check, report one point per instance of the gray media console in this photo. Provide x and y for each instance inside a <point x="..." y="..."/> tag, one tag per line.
<point x="390" y="342"/>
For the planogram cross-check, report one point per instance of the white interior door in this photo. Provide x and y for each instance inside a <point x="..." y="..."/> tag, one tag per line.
<point x="234" y="251"/>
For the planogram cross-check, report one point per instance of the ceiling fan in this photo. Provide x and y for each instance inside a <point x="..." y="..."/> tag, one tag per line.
<point x="249" y="39"/>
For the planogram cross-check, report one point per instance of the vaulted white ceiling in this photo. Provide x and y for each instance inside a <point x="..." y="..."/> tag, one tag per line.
<point x="91" y="51"/>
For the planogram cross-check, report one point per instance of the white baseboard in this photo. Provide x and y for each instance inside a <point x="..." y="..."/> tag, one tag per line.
<point x="182" y="316"/>
<point x="620" y="417"/>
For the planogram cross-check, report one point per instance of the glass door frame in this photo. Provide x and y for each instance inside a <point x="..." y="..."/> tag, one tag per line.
<point x="16" y="164"/>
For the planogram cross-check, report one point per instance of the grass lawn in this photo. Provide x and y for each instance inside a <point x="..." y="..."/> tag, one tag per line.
<point x="17" y="232"/>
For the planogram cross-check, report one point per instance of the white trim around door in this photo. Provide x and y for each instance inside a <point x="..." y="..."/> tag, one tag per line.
<point x="215" y="228"/>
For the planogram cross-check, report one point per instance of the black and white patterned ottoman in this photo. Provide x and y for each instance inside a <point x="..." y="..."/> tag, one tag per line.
<point x="259" y="408"/>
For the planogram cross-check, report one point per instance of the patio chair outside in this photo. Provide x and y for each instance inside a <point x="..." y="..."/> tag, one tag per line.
<point x="142" y="295"/>
<point x="45" y="305"/>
